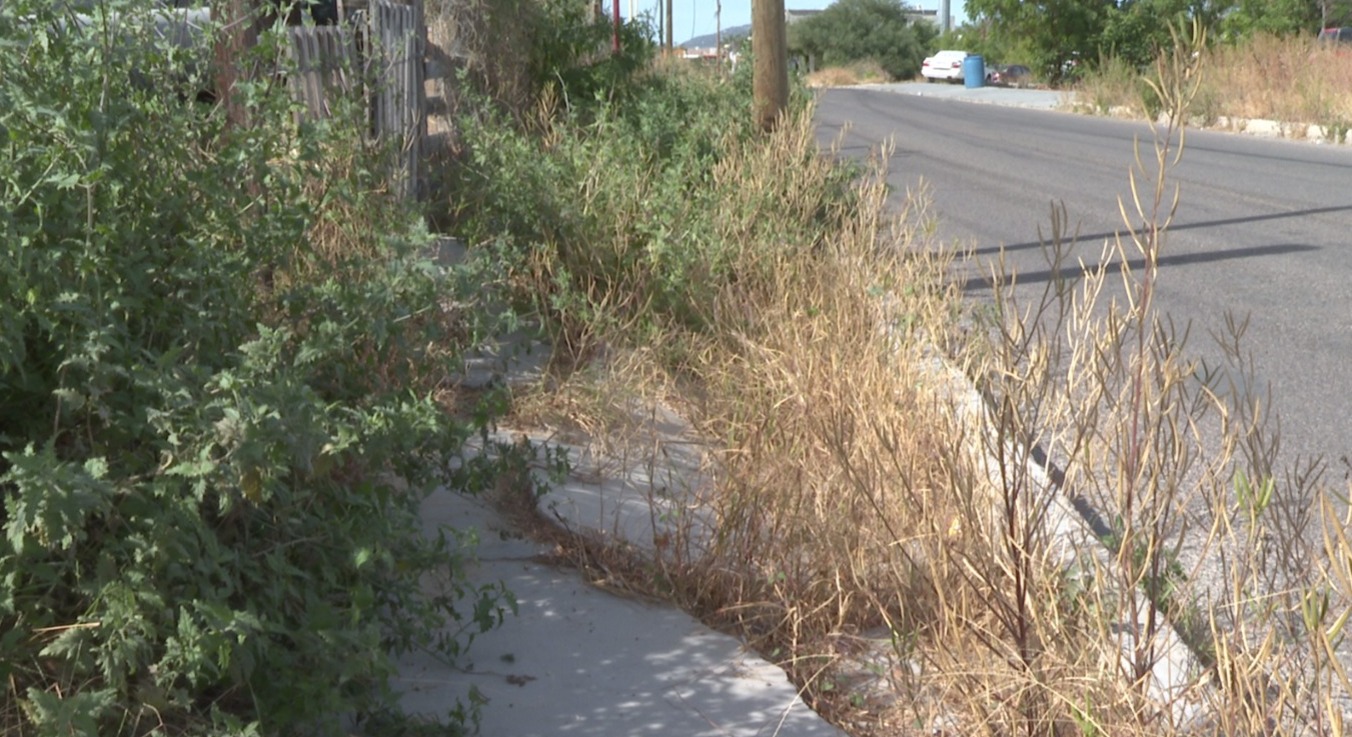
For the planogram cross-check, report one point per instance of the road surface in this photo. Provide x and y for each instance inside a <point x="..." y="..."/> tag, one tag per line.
<point x="1264" y="228"/>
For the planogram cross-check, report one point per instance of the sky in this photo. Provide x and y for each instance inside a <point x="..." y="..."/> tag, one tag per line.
<point x="697" y="17"/>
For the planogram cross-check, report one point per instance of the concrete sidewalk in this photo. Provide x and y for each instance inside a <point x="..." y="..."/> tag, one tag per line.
<point x="1010" y="97"/>
<point x="577" y="660"/>
<point x="580" y="660"/>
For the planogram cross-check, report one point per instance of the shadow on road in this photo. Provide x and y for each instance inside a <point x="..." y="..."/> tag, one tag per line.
<point x="1076" y="271"/>
<point x="992" y="250"/>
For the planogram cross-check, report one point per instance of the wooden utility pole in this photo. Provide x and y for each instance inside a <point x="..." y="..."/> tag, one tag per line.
<point x="669" y="45"/>
<point x="769" y="47"/>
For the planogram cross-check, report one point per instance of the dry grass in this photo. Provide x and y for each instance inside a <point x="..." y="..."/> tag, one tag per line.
<point x="1287" y="79"/>
<point x="1113" y="89"/>
<point x="857" y="73"/>
<point x="345" y="233"/>
<point x="853" y="493"/>
<point x="856" y="494"/>
<point x="1292" y="80"/>
<point x="483" y="39"/>
<point x="860" y="491"/>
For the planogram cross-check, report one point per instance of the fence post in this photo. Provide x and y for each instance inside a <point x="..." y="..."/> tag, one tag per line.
<point x="418" y="67"/>
<point x="237" y="36"/>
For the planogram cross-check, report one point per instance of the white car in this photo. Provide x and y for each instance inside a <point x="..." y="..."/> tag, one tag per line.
<point x="943" y="65"/>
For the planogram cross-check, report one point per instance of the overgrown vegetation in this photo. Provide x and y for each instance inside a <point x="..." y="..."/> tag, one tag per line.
<point x="1062" y="39"/>
<point x="522" y="53"/>
<point x="851" y="31"/>
<point x="852" y="74"/>
<point x="221" y="359"/>
<point x="1295" y="81"/>
<point x="798" y="320"/>
<point x="223" y="365"/>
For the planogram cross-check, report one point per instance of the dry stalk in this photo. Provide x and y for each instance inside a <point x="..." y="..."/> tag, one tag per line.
<point x="1143" y="430"/>
<point x="1161" y="441"/>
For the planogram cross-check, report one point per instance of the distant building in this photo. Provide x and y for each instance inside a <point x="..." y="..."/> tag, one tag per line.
<point x="915" y="15"/>
<point x="699" y="52"/>
<point x="793" y="16"/>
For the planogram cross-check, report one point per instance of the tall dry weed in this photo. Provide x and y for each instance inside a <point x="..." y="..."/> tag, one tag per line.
<point x="1296" y="80"/>
<point x="862" y="489"/>
<point x="859" y="490"/>
<point x="862" y="72"/>
<point x="1114" y="88"/>
<point x="487" y="47"/>
<point x="1173" y="449"/>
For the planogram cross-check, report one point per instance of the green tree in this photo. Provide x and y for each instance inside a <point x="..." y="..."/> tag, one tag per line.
<point x="858" y="30"/>
<point x="1282" y="17"/>
<point x="1055" y="33"/>
<point x="1334" y="13"/>
<point x="1138" y="29"/>
<point x="978" y="38"/>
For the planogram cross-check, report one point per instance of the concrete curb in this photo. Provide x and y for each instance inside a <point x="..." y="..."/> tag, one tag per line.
<point x="1069" y="525"/>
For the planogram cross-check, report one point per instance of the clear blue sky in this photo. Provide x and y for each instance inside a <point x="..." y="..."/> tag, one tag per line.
<point x="697" y="17"/>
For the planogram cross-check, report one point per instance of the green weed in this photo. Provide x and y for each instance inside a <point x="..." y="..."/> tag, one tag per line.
<point x="220" y="358"/>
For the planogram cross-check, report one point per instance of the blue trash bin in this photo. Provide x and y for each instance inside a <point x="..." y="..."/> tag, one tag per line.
<point x="974" y="71"/>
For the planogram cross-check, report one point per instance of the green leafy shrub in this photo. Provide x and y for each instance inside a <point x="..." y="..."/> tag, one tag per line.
<point x="858" y="30"/>
<point x="635" y="212"/>
<point x="215" y="414"/>
<point x="512" y="51"/>
<point x="575" y="58"/>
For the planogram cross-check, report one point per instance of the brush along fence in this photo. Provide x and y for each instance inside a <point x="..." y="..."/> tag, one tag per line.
<point x="385" y="40"/>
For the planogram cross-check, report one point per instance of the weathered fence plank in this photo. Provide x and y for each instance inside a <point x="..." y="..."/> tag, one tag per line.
<point x="397" y="52"/>
<point x="390" y="55"/>
<point x="324" y="59"/>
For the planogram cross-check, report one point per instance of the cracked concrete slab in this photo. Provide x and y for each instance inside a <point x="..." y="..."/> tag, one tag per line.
<point x="578" y="660"/>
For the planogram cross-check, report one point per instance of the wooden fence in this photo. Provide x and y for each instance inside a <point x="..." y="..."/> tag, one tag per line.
<point x="398" y="37"/>
<point x="324" y="59"/>
<point x="375" y="52"/>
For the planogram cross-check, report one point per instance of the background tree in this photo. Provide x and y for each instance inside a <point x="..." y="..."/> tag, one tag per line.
<point x="1056" y="33"/>
<point x="1281" y="17"/>
<point x="1334" y="13"/>
<point x="858" y="30"/>
<point x="1136" y="31"/>
<point x="978" y="38"/>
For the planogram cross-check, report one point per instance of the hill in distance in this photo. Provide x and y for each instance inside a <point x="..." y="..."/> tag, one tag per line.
<point x="708" y="40"/>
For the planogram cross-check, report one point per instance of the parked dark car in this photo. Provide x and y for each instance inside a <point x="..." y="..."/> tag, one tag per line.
<point x="1336" y="35"/>
<point x="1012" y="75"/>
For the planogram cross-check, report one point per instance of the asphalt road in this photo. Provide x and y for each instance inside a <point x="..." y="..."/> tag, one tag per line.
<point x="1263" y="230"/>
